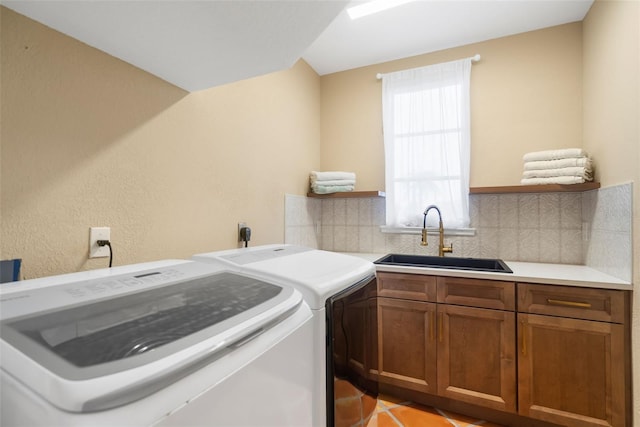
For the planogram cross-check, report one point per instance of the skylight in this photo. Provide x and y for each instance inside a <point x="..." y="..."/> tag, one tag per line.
<point x="373" y="6"/>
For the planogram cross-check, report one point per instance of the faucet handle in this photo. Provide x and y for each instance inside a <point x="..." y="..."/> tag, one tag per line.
<point x="448" y="249"/>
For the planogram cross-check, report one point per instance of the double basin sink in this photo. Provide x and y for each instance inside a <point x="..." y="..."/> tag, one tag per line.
<point x="474" y="264"/>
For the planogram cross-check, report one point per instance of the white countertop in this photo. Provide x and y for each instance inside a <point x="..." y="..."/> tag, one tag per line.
<point x="531" y="272"/>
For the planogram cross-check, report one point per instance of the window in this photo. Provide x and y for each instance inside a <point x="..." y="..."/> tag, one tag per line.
<point x="426" y="123"/>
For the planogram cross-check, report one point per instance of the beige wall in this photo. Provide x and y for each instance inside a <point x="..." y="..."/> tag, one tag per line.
<point x="88" y="140"/>
<point x="612" y="119"/>
<point x="611" y="109"/>
<point x="526" y="95"/>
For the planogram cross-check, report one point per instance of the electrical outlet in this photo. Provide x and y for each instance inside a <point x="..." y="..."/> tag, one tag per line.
<point x="241" y="225"/>
<point x="95" y="234"/>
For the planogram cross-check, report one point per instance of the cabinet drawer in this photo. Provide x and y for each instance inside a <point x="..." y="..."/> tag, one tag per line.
<point x="477" y="293"/>
<point x="407" y="286"/>
<point x="567" y="301"/>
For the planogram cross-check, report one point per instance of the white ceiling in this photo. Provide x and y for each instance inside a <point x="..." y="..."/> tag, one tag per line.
<point x="430" y="25"/>
<point x="194" y="44"/>
<point x="197" y="44"/>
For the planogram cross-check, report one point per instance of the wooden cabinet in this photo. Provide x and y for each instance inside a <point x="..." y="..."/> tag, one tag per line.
<point x="572" y="358"/>
<point x="447" y="343"/>
<point x="555" y="354"/>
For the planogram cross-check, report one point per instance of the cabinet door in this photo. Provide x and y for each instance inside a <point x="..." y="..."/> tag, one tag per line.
<point x="354" y="322"/>
<point x="355" y="339"/>
<point x="371" y="354"/>
<point x="571" y="372"/>
<point x="407" y="345"/>
<point x="476" y="356"/>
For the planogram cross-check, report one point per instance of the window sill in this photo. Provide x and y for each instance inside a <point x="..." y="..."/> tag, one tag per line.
<point x="430" y="230"/>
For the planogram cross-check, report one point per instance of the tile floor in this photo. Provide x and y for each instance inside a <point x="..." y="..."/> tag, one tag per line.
<point x="393" y="413"/>
<point x="353" y="408"/>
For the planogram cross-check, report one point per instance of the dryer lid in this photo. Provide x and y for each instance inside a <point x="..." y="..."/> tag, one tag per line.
<point x="317" y="274"/>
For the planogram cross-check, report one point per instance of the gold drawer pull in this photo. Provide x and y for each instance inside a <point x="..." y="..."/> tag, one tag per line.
<point x="569" y="303"/>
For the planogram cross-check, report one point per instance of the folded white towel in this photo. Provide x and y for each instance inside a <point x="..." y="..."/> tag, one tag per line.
<point x="557" y="164"/>
<point x="327" y="189"/>
<point x="553" y="180"/>
<point x="564" y="153"/>
<point x="547" y="173"/>
<point x="330" y="176"/>
<point x="335" y="182"/>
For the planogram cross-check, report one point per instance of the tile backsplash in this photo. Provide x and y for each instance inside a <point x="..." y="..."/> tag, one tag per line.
<point x="302" y="220"/>
<point x="591" y="228"/>
<point x="607" y="216"/>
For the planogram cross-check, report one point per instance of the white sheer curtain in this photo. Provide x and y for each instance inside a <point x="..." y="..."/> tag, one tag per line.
<point x="426" y="119"/>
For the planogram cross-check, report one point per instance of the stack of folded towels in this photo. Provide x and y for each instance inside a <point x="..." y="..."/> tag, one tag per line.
<point x="565" y="166"/>
<point x="332" y="182"/>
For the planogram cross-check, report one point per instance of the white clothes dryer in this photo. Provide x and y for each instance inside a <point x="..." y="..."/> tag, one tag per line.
<point x="168" y="343"/>
<point x="341" y="291"/>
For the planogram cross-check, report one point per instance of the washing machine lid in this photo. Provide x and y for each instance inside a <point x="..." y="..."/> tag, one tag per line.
<point x="317" y="274"/>
<point x="144" y="330"/>
<point x="244" y="256"/>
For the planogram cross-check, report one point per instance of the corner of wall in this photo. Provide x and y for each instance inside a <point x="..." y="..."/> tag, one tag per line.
<point x="607" y="216"/>
<point x="302" y="221"/>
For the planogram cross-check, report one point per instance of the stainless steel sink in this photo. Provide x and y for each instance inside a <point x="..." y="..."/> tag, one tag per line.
<point x="475" y="264"/>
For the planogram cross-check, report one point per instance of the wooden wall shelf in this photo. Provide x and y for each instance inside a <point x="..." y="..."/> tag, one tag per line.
<point x="348" y="195"/>
<point x="549" y="188"/>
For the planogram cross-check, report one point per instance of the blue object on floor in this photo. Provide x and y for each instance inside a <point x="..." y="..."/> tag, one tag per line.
<point x="10" y="270"/>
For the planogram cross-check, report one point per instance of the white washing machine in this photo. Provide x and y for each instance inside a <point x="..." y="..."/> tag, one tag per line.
<point x="324" y="279"/>
<point x="168" y="343"/>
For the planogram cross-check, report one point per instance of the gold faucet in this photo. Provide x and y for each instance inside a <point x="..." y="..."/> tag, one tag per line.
<point x="442" y="249"/>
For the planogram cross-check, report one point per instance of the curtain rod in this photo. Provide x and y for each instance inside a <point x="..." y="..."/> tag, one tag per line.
<point x="474" y="58"/>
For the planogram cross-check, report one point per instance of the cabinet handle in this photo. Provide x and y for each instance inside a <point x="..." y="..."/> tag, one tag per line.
<point x="431" y="327"/>
<point x="440" y="322"/>
<point x="568" y="303"/>
<point x="523" y="327"/>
